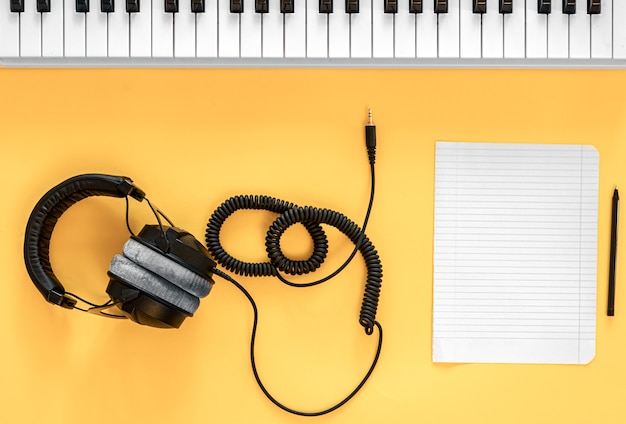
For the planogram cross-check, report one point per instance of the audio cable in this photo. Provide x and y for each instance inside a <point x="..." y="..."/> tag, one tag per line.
<point x="311" y="218"/>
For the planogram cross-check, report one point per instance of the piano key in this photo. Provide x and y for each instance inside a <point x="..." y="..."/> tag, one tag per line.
<point x="339" y="33"/>
<point x="107" y="6"/>
<point x="416" y="6"/>
<point x="250" y="30"/>
<point x="140" y="30"/>
<point x="9" y="31"/>
<point x="295" y="30"/>
<point x="30" y="30"/>
<point x="287" y="6"/>
<point x="361" y="31"/>
<point x="602" y="31"/>
<point x="352" y="6"/>
<point x="162" y="30"/>
<point x="544" y="6"/>
<point x="594" y="7"/>
<point x="119" y="31"/>
<point x="493" y="31"/>
<point x="273" y="43"/>
<point x="441" y="6"/>
<point x="479" y="6"/>
<point x="316" y="30"/>
<point x="184" y="30"/>
<point x="236" y="6"/>
<point x="448" y="31"/>
<point x="470" y="28"/>
<point x="132" y="6"/>
<point x="228" y="30"/>
<point x="405" y="21"/>
<point x="569" y="7"/>
<point x="206" y="30"/>
<point x="514" y="38"/>
<point x="382" y="30"/>
<point x="51" y="28"/>
<point x="619" y="30"/>
<point x="390" y="6"/>
<point x="74" y="28"/>
<point x="171" y="6"/>
<point x="536" y="31"/>
<point x="198" y="6"/>
<point x="506" y="6"/>
<point x="558" y="34"/>
<point x="426" y="31"/>
<point x="261" y="6"/>
<point x="16" y="6"/>
<point x="579" y="35"/>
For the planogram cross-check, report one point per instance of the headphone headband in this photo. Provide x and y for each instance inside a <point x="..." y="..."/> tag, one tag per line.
<point x="47" y="212"/>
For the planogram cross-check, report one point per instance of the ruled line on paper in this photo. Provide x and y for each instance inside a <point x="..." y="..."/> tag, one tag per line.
<point x="515" y="253"/>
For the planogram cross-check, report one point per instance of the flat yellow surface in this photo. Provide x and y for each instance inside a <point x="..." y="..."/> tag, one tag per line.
<point x="193" y="138"/>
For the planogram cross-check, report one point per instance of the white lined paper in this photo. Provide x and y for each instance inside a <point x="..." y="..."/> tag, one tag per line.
<point x="515" y="253"/>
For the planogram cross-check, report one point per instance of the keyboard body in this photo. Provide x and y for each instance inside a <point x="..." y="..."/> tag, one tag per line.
<point x="382" y="34"/>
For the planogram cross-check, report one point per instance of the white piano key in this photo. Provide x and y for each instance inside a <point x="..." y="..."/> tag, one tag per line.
<point x="9" y="32"/>
<point x="558" y="33"/>
<point x="228" y="31"/>
<point x="30" y="30"/>
<point x="580" y="33"/>
<point x="404" y="45"/>
<point x="470" y="38"/>
<point x="339" y="31"/>
<point x="382" y="30"/>
<point x="316" y="30"/>
<point x="361" y="31"/>
<point x="140" y="32"/>
<point x="250" y="30"/>
<point x="206" y="30"/>
<point x="52" y="30"/>
<point x="448" y="30"/>
<point x="184" y="30"/>
<point x="273" y="43"/>
<point x="162" y="30"/>
<point x="619" y="29"/>
<point x="119" y="30"/>
<point x="536" y="31"/>
<point x="602" y="31"/>
<point x="493" y="31"/>
<point x="513" y="25"/>
<point x="295" y="30"/>
<point x="74" y="27"/>
<point x="426" y="31"/>
<point x="96" y="43"/>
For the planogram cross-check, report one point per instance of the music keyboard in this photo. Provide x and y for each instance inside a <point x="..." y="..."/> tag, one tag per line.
<point x="314" y="33"/>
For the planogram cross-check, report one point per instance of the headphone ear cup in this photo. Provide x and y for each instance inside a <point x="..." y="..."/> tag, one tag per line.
<point x="160" y="289"/>
<point x="166" y="268"/>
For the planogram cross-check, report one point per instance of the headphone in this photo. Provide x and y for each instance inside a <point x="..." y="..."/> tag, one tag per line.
<point x="158" y="279"/>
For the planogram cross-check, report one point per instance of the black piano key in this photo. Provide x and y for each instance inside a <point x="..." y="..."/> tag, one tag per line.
<point x="544" y="6"/>
<point x="82" y="6"/>
<point x="441" y="6"/>
<point x="415" y="6"/>
<point x="569" y="7"/>
<point x="17" y="6"/>
<point x="480" y="6"/>
<point x="261" y="6"/>
<point x="391" y="6"/>
<point x="236" y="6"/>
<point x="594" y="7"/>
<point x="352" y="6"/>
<point x="506" y="6"/>
<point x="287" y="6"/>
<point x="132" y="6"/>
<point x="43" y="6"/>
<point x="171" y="6"/>
<point x="107" y="6"/>
<point x="197" y="6"/>
<point x="326" y="6"/>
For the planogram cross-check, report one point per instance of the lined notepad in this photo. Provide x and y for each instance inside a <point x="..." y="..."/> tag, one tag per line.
<point x="515" y="253"/>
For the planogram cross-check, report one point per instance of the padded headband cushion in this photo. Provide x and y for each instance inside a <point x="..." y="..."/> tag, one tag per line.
<point x="167" y="268"/>
<point x="129" y="272"/>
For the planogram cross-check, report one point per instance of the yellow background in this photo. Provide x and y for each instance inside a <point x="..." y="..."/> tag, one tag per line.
<point x="191" y="139"/>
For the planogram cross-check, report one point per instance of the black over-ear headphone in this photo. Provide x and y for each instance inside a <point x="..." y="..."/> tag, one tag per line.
<point x="158" y="279"/>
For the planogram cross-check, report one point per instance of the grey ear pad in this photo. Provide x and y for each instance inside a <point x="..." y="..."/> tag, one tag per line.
<point x="167" y="268"/>
<point x="139" y="277"/>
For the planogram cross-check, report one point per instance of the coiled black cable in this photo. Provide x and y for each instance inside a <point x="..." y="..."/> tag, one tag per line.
<point x="311" y="218"/>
